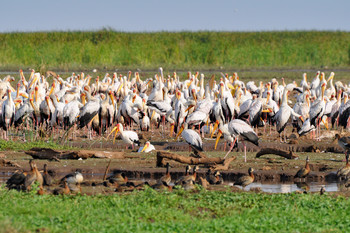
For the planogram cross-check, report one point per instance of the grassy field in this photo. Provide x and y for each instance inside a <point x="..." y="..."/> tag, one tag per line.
<point x="174" y="212"/>
<point x="182" y="50"/>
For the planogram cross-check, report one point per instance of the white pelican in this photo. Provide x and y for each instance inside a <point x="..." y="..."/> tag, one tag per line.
<point x="148" y="147"/>
<point x="238" y="128"/>
<point x="283" y="115"/>
<point x="191" y="137"/>
<point x="8" y="113"/>
<point x="129" y="137"/>
<point x="317" y="108"/>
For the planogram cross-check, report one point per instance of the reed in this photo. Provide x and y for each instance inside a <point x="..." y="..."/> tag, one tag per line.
<point x="110" y="50"/>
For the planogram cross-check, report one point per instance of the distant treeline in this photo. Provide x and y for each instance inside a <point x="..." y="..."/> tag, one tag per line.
<point x="210" y="50"/>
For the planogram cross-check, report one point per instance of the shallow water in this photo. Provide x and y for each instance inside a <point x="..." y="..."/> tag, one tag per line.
<point x="292" y="187"/>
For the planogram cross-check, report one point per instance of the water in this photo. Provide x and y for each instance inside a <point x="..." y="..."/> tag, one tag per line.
<point x="297" y="186"/>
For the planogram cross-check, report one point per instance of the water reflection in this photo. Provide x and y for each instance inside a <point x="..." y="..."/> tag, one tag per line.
<point x="297" y="186"/>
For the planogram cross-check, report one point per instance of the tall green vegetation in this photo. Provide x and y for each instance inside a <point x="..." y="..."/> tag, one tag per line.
<point x="110" y="50"/>
<point x="150" y="211"/>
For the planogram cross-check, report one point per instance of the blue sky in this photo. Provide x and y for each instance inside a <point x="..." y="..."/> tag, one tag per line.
<point x="174" y="15"/>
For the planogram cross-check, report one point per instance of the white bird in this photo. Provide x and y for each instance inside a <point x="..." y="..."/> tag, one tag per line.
<point x="129" y="137"/>
<point x="148" y="147"/>
<point x="8" y="113"/>
<point x="191" y="137"/>
<point x="237" y="128"/>
<point x="283" y="115"/>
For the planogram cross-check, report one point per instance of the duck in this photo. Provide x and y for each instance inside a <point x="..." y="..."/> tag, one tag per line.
<point x="62" y="191"/>
<point x="118" y="178"/>
<point x="74" y="178"/>
<point x="192" y="177"/>
<point x="344" y="171"/>
<point x="16" y="180"/>
<point x="33" y="176"/>
<point x="187" y="170"/>
<point x="188" y="185"/>
<point x="46" y="176"/>
<point x="167" y="177"/>
<point x="214" y="178"/>
<point x="247" y="179"/>
<point x="161" y="186"/>
<point x="304" y="172"/>
<point x="343" y="142"/>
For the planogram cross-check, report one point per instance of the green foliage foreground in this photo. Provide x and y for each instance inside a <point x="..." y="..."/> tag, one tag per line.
<point x="109" y="50"/>
<point x="180" y="211"/>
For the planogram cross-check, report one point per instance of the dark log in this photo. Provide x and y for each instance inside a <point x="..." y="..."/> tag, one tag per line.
<point x="161" y="155"/>
<point x="50" y="154"/>
<point x="275" y="151"/>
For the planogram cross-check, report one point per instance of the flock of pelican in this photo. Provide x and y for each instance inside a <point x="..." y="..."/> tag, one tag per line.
<point x="190" y="108"/>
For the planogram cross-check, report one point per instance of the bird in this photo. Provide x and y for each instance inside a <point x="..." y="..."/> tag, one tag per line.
<point x="73" y="179"/>
<point x="62" y="191"/>
<point x="129" y="137"/>
<point x="179" y="180"/>
<point x="33" y="176"/>
<point x="239" y="128"/>
<point x="247" y="179"/>
<point x="16" y="180"/>
<point x="344" y="171"/>
<point x="167" y="177"/>
<point x="148" y="147"/>
<point x="343" y="142"/>
<point x="118" y="178"/>
<point x="214" y="178"/>
<point x="46" y="176"/>
<point x="305" y="171"/>
<point x="191" y="137"/>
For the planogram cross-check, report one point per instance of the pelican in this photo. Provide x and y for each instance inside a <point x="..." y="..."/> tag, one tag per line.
<point x="148" y="147"/>
<point x="191" y="137"/>
<point x="238" y="128"/>
<point x="129" y="137"/>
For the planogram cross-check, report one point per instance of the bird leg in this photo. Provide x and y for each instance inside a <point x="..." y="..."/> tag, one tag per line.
<point x="225" y="146"/>
<point x="233" y="144"/>
<point x="245" y="152"/>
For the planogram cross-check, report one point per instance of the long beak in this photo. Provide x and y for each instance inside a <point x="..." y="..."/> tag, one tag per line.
<point x="52" y="87"/>
<point x="25" y="95"/>
<point x="116" y="132"/>
<point x="330" y="78"/>
<point x="133" y="99"/>
<point x="33" y="82"/>
<point x="229" y="85"/>
<point x="302" y="119"/>
<point x="48" y="102"/>
<point x="180" y="131"/>
<point x="120" y="87"/>
<point x="112" y="99"/>
<point x="218" y="136"/>
<point x="154" y="112"/>
<point x="145" y="147"/>
<point x="215" y="127"/>
<point x="325" y="123"/>
<point x="189" y="107"/>
<point x="171" y="130"/>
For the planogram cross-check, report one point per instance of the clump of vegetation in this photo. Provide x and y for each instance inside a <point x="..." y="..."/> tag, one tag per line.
<point x="181" y="50"/>
<point x="148" y="210"/>
<point x="18" y="146"/>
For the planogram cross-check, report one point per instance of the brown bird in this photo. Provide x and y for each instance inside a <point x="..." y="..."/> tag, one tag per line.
<point x="304" y="172"/>
<point x="47" y="178"/>
<point x="247" y="179"/>
<point x="188" y="185"/>
<point x="192" y="177"/>
<point x="33" y="176"/>
<point x="179" y="181"/>
<point x="166" y="178"/>
<point x="322" y="190"/>
<point x="161" y="186"/>
<point x="118" y="178"/>
<point x="343" y="142"/>
<point x="214" y="178"/>
<point x="344" y="171"/>
<point x="62" y="191"/>
<point x="16" y="180"/>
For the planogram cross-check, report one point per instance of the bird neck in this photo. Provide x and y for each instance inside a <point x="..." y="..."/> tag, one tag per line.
<point x="307" y="166"/>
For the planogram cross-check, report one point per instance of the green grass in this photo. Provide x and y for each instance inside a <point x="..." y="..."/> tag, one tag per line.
<point x="18" y="146"/>
<point x="108" y="49"/>
<point x="150" y="211"/>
